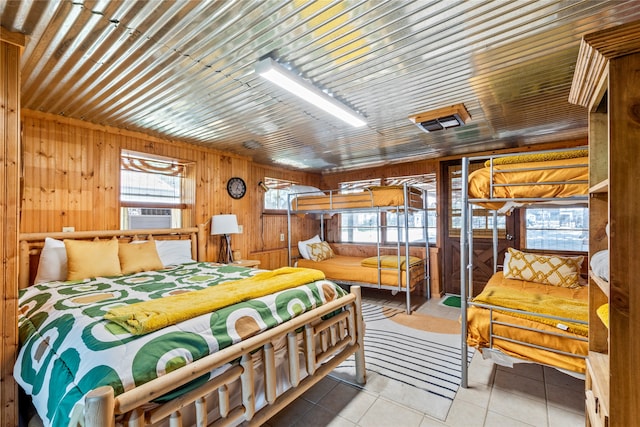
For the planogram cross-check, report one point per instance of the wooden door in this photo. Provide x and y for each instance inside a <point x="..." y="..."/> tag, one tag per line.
<point x="508" y="235"/>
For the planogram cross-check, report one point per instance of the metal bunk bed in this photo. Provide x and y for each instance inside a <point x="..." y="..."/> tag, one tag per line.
<point x="466" y="244"/>
<point x="334" y="202"/>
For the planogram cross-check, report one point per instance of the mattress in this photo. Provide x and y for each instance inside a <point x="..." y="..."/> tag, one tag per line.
<point x="544" y="179"/>
<point x="387" y="196"/>
<point x="348" y="269"/>
<point x="68" y="348"/>
<point x="478" y="327"/>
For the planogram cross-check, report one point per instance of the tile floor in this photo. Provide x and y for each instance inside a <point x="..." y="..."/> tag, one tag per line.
<point x="526" y="395"/>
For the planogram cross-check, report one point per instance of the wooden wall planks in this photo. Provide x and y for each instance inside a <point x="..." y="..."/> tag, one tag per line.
<point x="11" y="45"/>
<point x="71" y="178"/>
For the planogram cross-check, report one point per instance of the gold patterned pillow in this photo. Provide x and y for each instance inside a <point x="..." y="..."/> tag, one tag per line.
<point x="547" y="269"/>
<point x="320" y="251"/>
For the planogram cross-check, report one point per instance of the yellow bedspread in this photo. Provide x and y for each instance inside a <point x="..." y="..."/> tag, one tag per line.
<point x="538" y="303"/>
<point x="478" y="328"/>
<point x="391" y="195"/>
<point x="480" y="181"/>
<point x="148" y="316"/>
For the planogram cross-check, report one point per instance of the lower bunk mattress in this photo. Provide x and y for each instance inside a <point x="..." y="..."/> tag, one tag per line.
<point x="68" y="347"/>
<point x="349" y="269"/>
<point x="564" y="335"/>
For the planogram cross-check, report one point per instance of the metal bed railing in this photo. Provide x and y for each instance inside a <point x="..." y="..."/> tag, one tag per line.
<point x="466" y="250"/>
<point x="414" y="200"/>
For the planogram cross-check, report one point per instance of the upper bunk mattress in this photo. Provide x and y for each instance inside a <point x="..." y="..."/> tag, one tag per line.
<point x="562" y="178"/>
<point x="385" y="196"/>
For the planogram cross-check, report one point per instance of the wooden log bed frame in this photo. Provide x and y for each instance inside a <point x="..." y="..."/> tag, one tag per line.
<point x="313" y="345"/>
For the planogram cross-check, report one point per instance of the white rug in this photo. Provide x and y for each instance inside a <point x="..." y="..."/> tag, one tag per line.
<point x="409" y="365"/>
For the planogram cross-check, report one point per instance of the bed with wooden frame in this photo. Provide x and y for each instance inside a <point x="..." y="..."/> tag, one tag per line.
<point x="387" y="270"/>
<point x="530" y="311"/>
<point x="246" y="376"/>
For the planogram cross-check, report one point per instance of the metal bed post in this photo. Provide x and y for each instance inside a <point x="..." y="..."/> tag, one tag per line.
<point x="406" y="248"/>
<point x="288" y="228"/>
<point x="495" y="241"/>
<point x="463" y="271"/>
<point x="425" y="236"/>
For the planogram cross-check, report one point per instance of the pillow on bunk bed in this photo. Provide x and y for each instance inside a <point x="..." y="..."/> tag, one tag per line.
<point x="303" y="246"/>
<point x="142" y="256"/>
<point x="52" y="265"/>
<point x="546" y="269"/>
<point x="388" y="261"/>
<point x="538" y="157"/>
<point x="600" y="264"/>
<point x="174" y="252"/>
<point x="96" y="258"/>
<point x="320" y="251"/>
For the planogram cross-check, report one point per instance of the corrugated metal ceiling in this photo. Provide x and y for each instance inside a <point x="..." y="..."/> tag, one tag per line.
<point x="184" y="70"/>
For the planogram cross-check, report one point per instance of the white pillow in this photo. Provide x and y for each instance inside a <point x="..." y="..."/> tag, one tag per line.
<point x="53" y="262"/>
<point x="174" y="252"/>
<point x="304" y="249"/>
<point x="308" y="190"/>
<point x="600" y="264"/>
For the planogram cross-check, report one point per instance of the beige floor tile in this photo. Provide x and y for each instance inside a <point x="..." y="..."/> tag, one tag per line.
<point x="385" y="413"/>
<point x="465" y="414"/>
<point x="520" y="408"/>
<point x="559" y="378"/>
<point x="348" y="401"/>
<point x="431" y="422"/>
<point x="566" y="399"/>
<point x="519" y="385"/>
<point x="321" y="417"/>
<point x="291" y="414"/>
<point x="476" y="393"/>
<point x="320" y="389"/>
<point x="561" y="418"/>
<point x="529" y="370"/>
<point x="495" y="419"/>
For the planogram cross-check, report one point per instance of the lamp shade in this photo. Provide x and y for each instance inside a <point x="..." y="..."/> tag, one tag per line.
<point x="224" y="224"/>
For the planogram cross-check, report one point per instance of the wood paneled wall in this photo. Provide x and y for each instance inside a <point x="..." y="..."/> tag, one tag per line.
<point x="11" y="45"/>
<point x="71" y="179"/>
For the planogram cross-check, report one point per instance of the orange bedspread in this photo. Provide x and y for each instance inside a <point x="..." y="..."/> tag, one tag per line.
<point x="478" y="328"/>
<point x="479" y="181"/>
<point x="372" y="197"/>
<point x="348" y="269"/>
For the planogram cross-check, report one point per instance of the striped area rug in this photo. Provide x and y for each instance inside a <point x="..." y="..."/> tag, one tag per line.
<point x="413" y="366"/>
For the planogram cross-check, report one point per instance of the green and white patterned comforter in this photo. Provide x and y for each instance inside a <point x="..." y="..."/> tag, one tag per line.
<point x="68" y="349"/>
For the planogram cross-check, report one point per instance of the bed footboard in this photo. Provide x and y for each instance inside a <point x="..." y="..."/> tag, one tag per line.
<point x="325" y="343"/>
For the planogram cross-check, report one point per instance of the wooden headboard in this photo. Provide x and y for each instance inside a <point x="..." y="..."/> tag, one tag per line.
<point x="31" y="244"/>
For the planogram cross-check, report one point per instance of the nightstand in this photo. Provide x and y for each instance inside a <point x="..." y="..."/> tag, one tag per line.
<point x="246" y="262"/>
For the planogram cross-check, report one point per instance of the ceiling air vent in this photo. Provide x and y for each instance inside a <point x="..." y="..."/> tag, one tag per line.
<point x="441" y="118"/>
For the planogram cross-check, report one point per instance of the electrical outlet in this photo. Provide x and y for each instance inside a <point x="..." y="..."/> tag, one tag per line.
<point x="282" y="237"/>
<point x="68" y="229"/>
<point x="240" y="229"/>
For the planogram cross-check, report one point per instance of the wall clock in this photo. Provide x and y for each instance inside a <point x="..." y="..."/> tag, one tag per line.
<point x="236" y="187"/>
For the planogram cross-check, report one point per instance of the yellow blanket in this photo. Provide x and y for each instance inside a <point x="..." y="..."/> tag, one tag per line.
<point x="148" y="316"/>
<point x="539" y="303"/>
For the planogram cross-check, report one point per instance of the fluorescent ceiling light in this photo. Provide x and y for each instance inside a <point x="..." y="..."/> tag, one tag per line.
<point x="276" y="73"/>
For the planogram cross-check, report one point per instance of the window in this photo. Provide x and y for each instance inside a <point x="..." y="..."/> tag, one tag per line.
<point x="277" y="195"/>
<point x="482" y="219"/>
<point x="557" y="229"/>
<point x="367" y="227"/>
<point x="426" y="182"/>
<point x="155" y="192"/>
<point x="359" y="227"/>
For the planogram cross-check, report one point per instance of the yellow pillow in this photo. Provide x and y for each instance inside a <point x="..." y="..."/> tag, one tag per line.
<point x="603" y="314"/>
<point x="388" y="261"/>
<point x="136" y="257"/>
<point x="320" y="251"/>
<point x="92" y="258"/>
<point x="546" y="269"/>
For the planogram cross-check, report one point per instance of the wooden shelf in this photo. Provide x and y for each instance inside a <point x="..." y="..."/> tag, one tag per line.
<point x="599" y="365"/>
<point x="600" y="187"/>
<point x="602" y="284"/>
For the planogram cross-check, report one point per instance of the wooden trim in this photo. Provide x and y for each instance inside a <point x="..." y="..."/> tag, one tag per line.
<point x="16" y="39"/>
